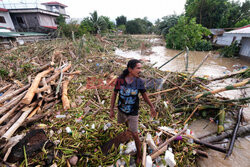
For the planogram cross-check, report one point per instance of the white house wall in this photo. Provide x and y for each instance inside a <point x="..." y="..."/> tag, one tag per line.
<point x="9" y="23"/>
<point x="245" y="47"/>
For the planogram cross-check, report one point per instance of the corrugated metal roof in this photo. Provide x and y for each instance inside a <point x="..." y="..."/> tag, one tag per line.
<point x="20" y="34"/>
<point x="240" y="31"/>
<point x="3" y="10"/>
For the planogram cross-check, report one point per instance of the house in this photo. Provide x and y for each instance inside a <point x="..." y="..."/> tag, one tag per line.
<point x="36" y="18"/>
<point x="245" y="47"/>
<point x="55" y="7"/>
<point x="236" y="35"/>
<point x="5" y="20"/>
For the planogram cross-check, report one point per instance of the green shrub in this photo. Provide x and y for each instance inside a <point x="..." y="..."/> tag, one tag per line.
<point x="3" y="72"/>
<point x="203" y="45"/>
<point x="230" y="51"/>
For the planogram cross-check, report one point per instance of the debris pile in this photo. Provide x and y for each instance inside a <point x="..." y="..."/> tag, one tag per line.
<point x="80" y="126"/>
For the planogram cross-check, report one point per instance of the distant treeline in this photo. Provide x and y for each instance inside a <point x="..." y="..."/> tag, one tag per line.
<point x="188" y="29"/>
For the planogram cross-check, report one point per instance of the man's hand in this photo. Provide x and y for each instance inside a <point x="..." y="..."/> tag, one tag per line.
<point x="153" y="112"/>
<point x="111" y="113"/>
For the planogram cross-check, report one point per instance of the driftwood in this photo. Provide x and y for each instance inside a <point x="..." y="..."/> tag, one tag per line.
<point x="12" y="103"/>
<point x="57" y="73"/>
<point x="31" y="91"/>
<point x="144" y="146"/>
<point x="13" y="94"/>
<point x="18" y="123"/>
<point x="163" y="147"/>
<point x="65" y="100"/>
<point x="171" y="59"/>
<point x="48" y="91"/>
<point x="243" y="130"/>
<point x="236" y="128"/>
<point x="4" y="117"/>
<point x="191" y="114"/>
<point x="5" y="87"/>
<point x="44" y="67"/>
<point x="8" y="125"/>
<point x="208" y="145"/>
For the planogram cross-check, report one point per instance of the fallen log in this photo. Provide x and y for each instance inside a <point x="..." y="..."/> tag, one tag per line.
<point x="13" y="94"/>
<point x="230" y="87"/>
<point x="236" y="128"/>
<point x="12" y="103"/>
<point x="243" y="130"/>
<point x="48" y="91"/>
<point x="31" y="91"/>
<point x="5" y="87"/>
<point x="44" y="67"/>
<point x="18" y="123"/>
<point x="208" y="145"/>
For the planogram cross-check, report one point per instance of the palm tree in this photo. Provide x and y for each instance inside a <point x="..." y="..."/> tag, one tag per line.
<point x="98" y="22"/>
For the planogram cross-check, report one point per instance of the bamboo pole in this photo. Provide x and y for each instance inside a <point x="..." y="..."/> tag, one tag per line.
<point x="186" y="57"/>
<point x="5" y="87"/>
<point x="230" y="87"/>
<point x="13" y="102"/>
<point x="231" y="75"/>
<point x="31" y="91"/>
<point x="171" y="59"/>
<point x="18" y="123"/>
<point x="190" y="76"/>
<point x="163" y="147"/>
<point x="221" y="120"/>
<point x="13" y="94"/>
<point x="191" y="114"/>
<point x="236" y="128"/>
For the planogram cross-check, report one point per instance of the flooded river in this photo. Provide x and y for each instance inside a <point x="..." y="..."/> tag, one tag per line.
<point x="214" y="66"/>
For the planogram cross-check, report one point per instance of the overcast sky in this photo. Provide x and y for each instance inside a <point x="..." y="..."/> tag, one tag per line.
<point x="152" y="9"/>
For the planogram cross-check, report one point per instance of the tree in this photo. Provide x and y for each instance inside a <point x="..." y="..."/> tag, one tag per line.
<point x="187" y="33"/>
<point x="97" y="22"/>
<point x="86" y="26"/>
<point x="162" y="27"/>
<point x="109" y="24"/>
<point x="217" y="13"/>
<point x="209" y="13"/>
<point x="133" y="27"/>
<point x="121" y="20"/>
<point x="242" y="23"/>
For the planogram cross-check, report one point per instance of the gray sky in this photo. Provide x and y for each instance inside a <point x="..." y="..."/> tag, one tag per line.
<point x="152" y="9"/>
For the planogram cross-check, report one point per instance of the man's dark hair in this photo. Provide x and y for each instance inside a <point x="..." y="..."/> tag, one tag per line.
<point x="131" y="63"/>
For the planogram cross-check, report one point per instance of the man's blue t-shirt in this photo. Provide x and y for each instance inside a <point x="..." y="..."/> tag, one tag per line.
<point x="128" y="102"/>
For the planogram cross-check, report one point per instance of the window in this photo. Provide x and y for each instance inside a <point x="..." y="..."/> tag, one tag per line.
<point x="20" y="20"/>
<point x="2" y="19"/>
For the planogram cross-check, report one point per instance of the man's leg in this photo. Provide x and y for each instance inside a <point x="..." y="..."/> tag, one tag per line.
<point x="133" y="128"/>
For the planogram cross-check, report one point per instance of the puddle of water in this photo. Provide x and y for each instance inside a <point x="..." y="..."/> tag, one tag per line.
<point x="214" y="66"/>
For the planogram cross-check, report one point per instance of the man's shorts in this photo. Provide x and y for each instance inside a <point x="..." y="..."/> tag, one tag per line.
<point x="132" y="121"/>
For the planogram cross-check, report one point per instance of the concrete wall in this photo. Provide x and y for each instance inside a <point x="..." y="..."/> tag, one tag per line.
<point x="9" y="23"/>
<point x="245" y="47"/>
<point x="33" y="22"/>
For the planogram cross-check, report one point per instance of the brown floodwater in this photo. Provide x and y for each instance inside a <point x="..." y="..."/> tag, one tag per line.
<point x="214" y="66"/>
